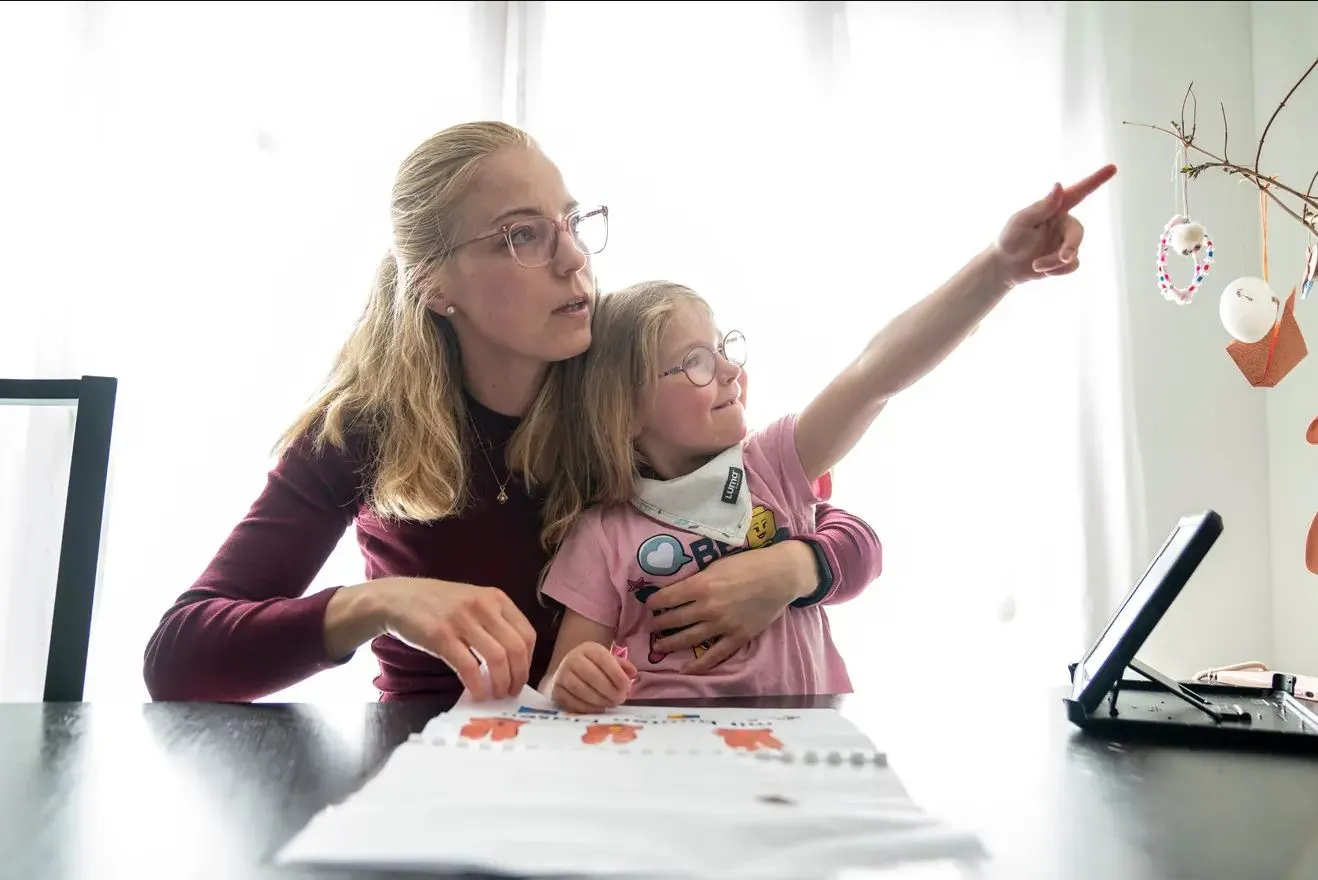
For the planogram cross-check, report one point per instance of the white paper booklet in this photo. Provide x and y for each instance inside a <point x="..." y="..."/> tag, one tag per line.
<point x="531" y="720"/>
<point x="513" y="788"/>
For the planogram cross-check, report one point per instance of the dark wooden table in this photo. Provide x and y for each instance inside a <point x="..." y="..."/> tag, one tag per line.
<point x="200" y="791"/>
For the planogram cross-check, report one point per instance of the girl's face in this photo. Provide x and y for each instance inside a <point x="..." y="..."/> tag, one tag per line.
<point x="691" y="410"/>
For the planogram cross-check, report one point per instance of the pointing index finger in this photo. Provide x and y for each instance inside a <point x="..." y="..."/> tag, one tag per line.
<point x="1078" y="192"/>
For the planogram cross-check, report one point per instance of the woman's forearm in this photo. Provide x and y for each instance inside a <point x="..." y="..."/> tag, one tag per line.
<point x="217" y="648"/>
<point x="353" y="617"/>
<point x="247" y="627"/>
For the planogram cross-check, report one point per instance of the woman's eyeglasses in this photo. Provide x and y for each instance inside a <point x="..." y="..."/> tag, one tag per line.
<point x="533" y="241"/>
<point x="701" y="363"/>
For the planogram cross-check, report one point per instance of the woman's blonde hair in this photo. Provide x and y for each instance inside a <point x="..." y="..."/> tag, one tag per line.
<point x="398" y="378"/>
<point x="600" y="461"/>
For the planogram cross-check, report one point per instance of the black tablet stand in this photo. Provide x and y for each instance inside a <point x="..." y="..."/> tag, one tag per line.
<point x="1176" y="689"/>
<point x="1217" y="713"/>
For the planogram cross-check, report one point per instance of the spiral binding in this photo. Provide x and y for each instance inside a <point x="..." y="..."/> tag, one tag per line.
<point x="812" y="757"/>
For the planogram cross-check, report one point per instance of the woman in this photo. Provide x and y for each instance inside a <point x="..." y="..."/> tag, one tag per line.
<point x="448" y="392"/>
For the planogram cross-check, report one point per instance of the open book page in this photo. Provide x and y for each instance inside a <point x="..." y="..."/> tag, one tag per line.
<point x="516" y="787"/>
<point x="618" y="814"/>
<point x="530" y="720"/>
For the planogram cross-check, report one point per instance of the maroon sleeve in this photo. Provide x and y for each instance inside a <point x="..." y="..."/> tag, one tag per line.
<point x="852" y="549"/>
<point x="245" y="630"/>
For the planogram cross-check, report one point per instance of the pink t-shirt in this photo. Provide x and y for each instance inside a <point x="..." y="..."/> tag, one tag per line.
<point x="600" y="573"/>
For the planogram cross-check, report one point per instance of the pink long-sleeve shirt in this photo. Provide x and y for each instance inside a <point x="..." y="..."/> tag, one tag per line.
<point x="246" y="627"/>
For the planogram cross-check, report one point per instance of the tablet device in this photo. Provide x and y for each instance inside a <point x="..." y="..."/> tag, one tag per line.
<point x="1157" y="707"/>
<point x="1127" y="630"/>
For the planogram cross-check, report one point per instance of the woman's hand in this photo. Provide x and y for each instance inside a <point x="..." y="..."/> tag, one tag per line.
<point x="591" y="679"/>
<point x="1044" y="239"/>
<point x="445" y="620"/>
<point x="732" y="601"/>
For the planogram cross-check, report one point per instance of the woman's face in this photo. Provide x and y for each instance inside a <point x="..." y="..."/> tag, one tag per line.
<point x="503" y="308"/>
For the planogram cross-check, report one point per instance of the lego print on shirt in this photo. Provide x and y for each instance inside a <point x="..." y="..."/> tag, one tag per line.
<point x="663" y="555"/>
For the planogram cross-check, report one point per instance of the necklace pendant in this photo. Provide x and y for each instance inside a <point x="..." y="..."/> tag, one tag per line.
<point x="502" y="497"/>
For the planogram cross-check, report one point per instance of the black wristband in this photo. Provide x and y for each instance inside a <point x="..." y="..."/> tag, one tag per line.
<point x="825" y="572"/>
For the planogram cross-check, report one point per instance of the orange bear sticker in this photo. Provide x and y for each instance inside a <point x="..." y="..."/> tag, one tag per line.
<point x="602" y="733"/>
<point x="750" y="740"/>
<point x="497" y="729"/>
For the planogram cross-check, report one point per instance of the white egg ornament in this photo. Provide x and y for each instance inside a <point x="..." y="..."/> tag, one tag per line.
<point x="1188" y="238"/>
<point x="1249" y="309"/>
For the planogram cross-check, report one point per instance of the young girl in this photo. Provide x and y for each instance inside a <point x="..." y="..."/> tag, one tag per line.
<point x="679" y="482"/>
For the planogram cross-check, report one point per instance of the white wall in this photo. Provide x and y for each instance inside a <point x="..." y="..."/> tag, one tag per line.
<point x="1285" y="43"/>
<point x="1203" y="437"/>
<point x="1199" y="429"/>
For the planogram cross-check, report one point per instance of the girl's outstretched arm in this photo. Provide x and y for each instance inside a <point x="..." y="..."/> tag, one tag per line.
<point x="900" y="355"/>
<point x="1040" y="240"/>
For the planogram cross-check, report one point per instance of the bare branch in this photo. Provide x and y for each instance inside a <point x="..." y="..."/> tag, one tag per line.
<point x="1269" y="185"/>
<point x="1273" y="118"/>
<point x="1226" y="133"/>
<point x="1310" y="217"/>
<point x="1259" y="180"/>
<point x="1194" y="120"/>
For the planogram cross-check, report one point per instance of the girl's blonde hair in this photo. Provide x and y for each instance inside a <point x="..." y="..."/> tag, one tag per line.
<point x="398" y="378"/>
<point x="600" y="462"/>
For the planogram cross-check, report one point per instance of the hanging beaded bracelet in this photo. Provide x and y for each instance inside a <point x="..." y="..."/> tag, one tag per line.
<point x="1186" y="238"/>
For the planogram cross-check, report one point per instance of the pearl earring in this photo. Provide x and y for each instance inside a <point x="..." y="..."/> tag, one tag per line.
<point x="450" y="311"/>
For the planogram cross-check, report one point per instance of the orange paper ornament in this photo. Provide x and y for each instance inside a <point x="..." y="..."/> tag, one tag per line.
<point x="1311" y="547"/>
<point x="1266" y="362"/>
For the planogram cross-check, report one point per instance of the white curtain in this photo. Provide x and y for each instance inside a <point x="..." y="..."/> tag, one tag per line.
<point x="1115" y="517"/>
<point x="203" y="199"/>
<point x="206" y="198"/>
<point x="814" y="168"/>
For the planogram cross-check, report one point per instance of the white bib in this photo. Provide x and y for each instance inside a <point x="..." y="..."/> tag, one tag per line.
<point x="712" y="501"/>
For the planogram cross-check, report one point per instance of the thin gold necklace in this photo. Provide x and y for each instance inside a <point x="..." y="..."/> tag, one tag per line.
<point x="502" y="497"/>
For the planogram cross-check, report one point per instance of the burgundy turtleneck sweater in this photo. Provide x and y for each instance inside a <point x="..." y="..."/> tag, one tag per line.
<point x="245" y="630"/>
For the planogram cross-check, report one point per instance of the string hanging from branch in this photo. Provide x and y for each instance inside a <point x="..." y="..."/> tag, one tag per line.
<point x="1301" y="205"/>
<point x="1185" y="237"/>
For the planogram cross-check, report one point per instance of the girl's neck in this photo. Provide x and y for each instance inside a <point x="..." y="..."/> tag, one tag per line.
<point x="666" y="465"/>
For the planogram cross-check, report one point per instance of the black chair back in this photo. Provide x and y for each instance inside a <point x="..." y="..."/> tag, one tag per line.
<point x="84" y="512"/>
